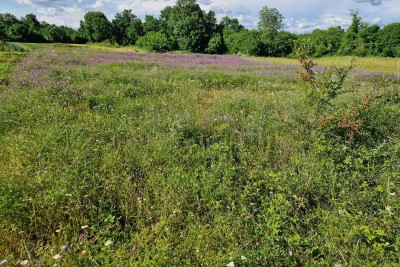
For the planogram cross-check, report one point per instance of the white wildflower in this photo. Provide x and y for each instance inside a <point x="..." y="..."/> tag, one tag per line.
<point x="57" y="256"/>
<point x="231" y="264"/>
<point x="109" y="242"/>
<point x="243" y="258"/>
<point x="84" y="227"/>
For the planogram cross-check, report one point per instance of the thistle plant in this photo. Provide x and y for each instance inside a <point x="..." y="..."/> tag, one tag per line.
<point x="325" y="86"/>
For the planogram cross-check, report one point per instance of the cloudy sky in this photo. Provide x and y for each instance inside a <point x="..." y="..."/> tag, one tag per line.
<point x="301" y="15"/>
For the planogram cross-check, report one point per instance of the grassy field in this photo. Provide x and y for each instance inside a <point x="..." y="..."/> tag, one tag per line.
<point x="8" y="60"/>
<point x="133" y="159"/>
<point x="373" y="64"/>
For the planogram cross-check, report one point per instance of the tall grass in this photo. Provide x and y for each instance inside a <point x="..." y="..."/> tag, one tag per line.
<point x="142" y="163"/>
<point x="381" y="64"/>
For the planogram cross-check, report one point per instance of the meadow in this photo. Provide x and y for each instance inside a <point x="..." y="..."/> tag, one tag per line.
<point x="118" y="158"/>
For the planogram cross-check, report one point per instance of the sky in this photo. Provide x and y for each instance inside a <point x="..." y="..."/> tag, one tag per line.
<point x="301" y="16"/>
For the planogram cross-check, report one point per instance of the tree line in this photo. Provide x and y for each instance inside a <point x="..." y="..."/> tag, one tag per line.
<point x="186" y="27"/>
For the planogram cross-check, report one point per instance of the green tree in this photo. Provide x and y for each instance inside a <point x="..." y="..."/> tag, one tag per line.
<point x="121" y="24"/>
<point x="188" y="26"/>
<point x="369" y="36"/>
<point x="216" y="45"/>
<point x="6" y="21"/>
<point x="388" y="43"/>
<point x="244" y="42"/>
<point x="231" y="24"/>
<point x="326" y="42"/>
<point x="3" y="35"/>
<point x="79" y="36"/>
<point x="52" y="33"/>
<point x="96" y="27"/>
<point x="282" y="45"/>
<point x="151" y="24"/>
<point x="57" y="34"/>
<point x="270" y="21"/>
<point x="351" y="39"/>
<point x="33" y="27"/>
<point x="134" y="31"/>
<point x="154" y="41"/>
<point x="17" y="32"/>
<point x="166" y="23"/>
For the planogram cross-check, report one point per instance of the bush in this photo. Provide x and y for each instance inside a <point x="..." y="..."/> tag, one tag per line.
<point x="154" y="41"/>
<point x="216" y="45"/>
<point x="389" y="40"/>
<point x="245" y="42"/>
<point x="282" y="44"/>
<point x="6" y="46"/>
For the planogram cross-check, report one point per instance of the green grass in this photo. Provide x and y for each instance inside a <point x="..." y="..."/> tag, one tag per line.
<point x="28" y="47"/>
<point x="8" y="60"/>
<point x="390" y="65"/>
<point x="102" y="47"/>
<point x="189" y="167"/>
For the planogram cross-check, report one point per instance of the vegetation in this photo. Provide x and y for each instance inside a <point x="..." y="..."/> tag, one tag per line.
<point x="223" y="162"/>
<point x="8" y="60"/>
<point x="188" y="28"/>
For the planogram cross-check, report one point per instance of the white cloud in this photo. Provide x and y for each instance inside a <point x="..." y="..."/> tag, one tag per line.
<point x="303" y="15"/>
<point x="69" y="16"/>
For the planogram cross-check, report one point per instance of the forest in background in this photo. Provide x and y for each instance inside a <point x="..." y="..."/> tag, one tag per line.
<point x="186" y="27"/>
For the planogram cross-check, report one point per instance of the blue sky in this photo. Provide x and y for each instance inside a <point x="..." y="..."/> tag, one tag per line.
<point x="301" y="15"/>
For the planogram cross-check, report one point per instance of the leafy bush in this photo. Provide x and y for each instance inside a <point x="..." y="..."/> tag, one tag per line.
<point x="326" y="42"/>
<point x="7" y="46"/>
<point x="154" y="41"/>
<point x="244" y="42"/>
<point x="389" y="40"/>
<point x="216" y="45"/>
<point x="324" y="86"/>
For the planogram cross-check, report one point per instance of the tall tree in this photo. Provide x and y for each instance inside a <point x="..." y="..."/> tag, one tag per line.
<point x="7" y="20"/>
<point x="389" y="40"/>
<point x="151" y="24"/>
<point x="351" y="39"/>
<point x="121" y="24"/>
<point x="369" y="36"/>
<point x="3" y="35"/>
<point x="57" y="34"/>
<point x="33" y="27"/>
<point x="134" y="31"/>
<point x="192" y="28"/>
<point x="270" y="21"/>
<point x="231" y="24"/>
<point x="326" y="42"/>
<point x="96" y="27"/>
<point x="17" y="32"/>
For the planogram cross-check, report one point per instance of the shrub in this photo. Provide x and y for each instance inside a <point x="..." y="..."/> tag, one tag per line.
<point x="216" y="45"/>
<point x="6" y="46"/>
<point x="154" y="41"/>
<point x="245" y="42"/>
